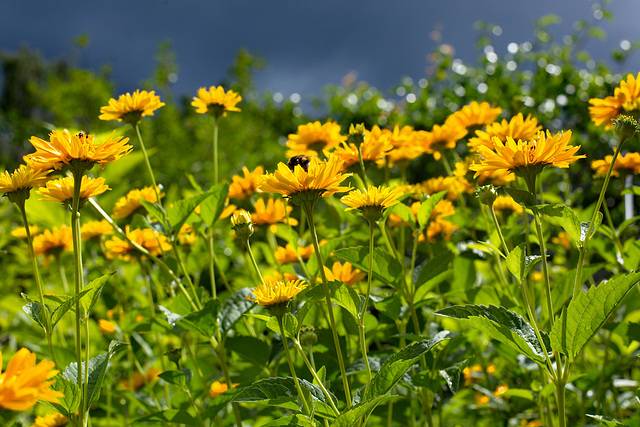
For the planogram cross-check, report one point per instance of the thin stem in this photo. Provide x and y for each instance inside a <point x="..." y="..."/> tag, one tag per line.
<point x="212" y="273"/>
<point x="545" y="267"/>
<point x="215" y="150"/>
<point x="362" y="168"/>
<point x="186" y="274"/>
<point x="147" y="163"/>
<point x="292" y="369"/>
<point x="253" y="259"/>
<point x="497" y="225"/>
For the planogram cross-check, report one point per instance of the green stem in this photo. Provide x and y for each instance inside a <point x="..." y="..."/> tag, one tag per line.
<point x="212" y="273"/>
<point x="308" y="208"/>
<point x="292" y="369"/>
<point x="186" y="274"/>
<point x="215" y="150"/>
<point x="253" y="259"/>
<point x="147" y="163"/>
<point x="362" y="168"/>
<point x="545" y="267"/>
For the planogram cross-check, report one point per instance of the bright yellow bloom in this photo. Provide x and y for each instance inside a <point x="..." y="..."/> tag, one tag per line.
<point x="106" y="327"/>
<point x="406" y="144"/>
<point x="323" y="178"/>
<point x="374" y="148"/>
<point x="21" y="232"/>
<point x="23" y="383"/>
<point x="61" y="189"/>
<point x="441" y="138"/>
<point x="272" y="213"/>
<point x="63" y="148"/>
<point x="287" y="254"/>
<point x="138" y="380"/>
<point x="277" y="276"/>
<point x="528" y="157"/>
<point x="130" y="108"/>
<point x="627" y="164"/>
<point x="155" y="243"/>
<point x="273" y="293"/>
<point x="481" y="399"/>
<point x="533" y="423"/>
<point x="187" y="235"/>
<point x="500" y="390"/>
<point x="382" y="197"/>
<point x="440" y="228"/>
<point x="474" y="115"/>
<point x="53" y="419"/>
<point x="93" y="229"/>
<point x="563" y="240"/>
<point x="23" y="178"/>
<point x="130" y="203"/>
<point x="53" y="242"/>
<point x="217" y="388"/>
<point x="344" y="272"/>
<point x="472" y="374"/>
<point x="215" y="101"/>
<point x="453" y="184"/>
<point x="517" y="128"/>
<point x="243" y="187"/>
<point x="506" y="204"/>
<point x="625" y="98"/>
<point x="314" y="138"/>
<point x="443" y="209"/>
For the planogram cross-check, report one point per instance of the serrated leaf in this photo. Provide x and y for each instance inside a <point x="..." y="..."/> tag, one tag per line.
<point x="521" y="197"/>
<point x="289" y="323"/>
<point x="503" y="325"/>
<point x="398" y="364"/>
<point x="404" y="212"/>
<point x="342" y="294"/>
<point x="565" y="216"/>
<point x="519" y="264"/>
<point x="212" y="206"/>
<point x="178" y="378"/>
<point x="433" y="267"/>
<point x="156" y="211"/>
<point x="34" y="311"/>
<point x="179" y="212"/>
<point x="586" y="313"/>
<point x="70" y="403"/>
<point x="451" y="374"/>
<point x="350" y="417"/>
<point x="249" y="348"/>
<point x="427" y="207"/>
<point x="66" y="306"/>
<point x="94" y="290"/>
<point x="584" y="227"/>
<point x="233" y="309"/>
<point x="169" y="416"/>
<point x="385" y="267"/>
<point x="203" y="321"/>
<point x="291" y="420"/>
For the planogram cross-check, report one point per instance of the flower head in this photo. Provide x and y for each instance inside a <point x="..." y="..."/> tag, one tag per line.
<point x="441" y="138"/>
<point x="53" y="242"/>
<point x="506" y="204"/>
<point x="138" y="380"/>
<point x="625" y="164"/>
<point x="17" y="185"/>
<point x="314" y="138"/>
<point x="474" y="116"/>
<point x="278" y="293"/>
<point x="407" y="144"/>
<point x="215" y="101"/>
<point x="372" y="201"/>
<point x="217" y="388"/>
<point x="21" y="232"/>
<point x="95" y="229"/>
<point x="61" y="190"/>
<point x="626" y="97"/>
<point x="130" y="203"/>
<point x="273" y="212"/>
<point x="322" y="179"/>
<point x="75" y="150"/>
<point x="242" y="187"/>
<point x="518" y="127"/>
<point x="187" y="235"/>
<point x="53" y="419"/>
<point x="287" y="254"/>
<point x="372" y="149"/>
<point x="23" y="383"/>
<point x="155" y="243"/>
<point x="131" y="108"/>
<point x="346" y="273"/>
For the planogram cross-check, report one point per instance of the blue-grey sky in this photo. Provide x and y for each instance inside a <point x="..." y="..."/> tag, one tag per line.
<point x="307" y="43"/>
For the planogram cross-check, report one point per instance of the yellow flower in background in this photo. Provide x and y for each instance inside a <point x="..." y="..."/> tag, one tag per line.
<point x="287" y="254"/>
<point x="64" y="148"/>
<point x="563" y="240"/>
<point x="322" y="179"/>
<point x="406" y="145"/>
<point x="155" y="243"/>
<point x="187" y="235"/>
<point x="106" y="327"/>
<point x="474" y="116"/>
<point x="53" y="242"/>
<point x="61" y="190"/>
<point x="21" y="232"/>
<point x="441" y="138"/>
<point x="518" y="127"/>
<point x="53" y="419"/>
<point x="277" y="276"/>
<point x="130" y="203"/>
<point x="273" y="293"/>
<point x="23" y="383"/>
<point x="453" y="184"/>
<point x="500" y="390"/>
<point x="626" y="98"/>
<point x="440" y="228"/>
<point x="138" y="380"/>
<point x="215" y="101"/>
<point x="472" y="374"/>
<point x="627" y="164"/>
<point x="242" y="187"/>
<point x="217" y="388"/>
<point x="526" y="158"/>
<point x="443" y="209"/>
<point x="344" y="272"/>
<point x="374" y="148"/>
<point x="506" y="204"/>
<point x="314" y="138"/>
<point x="272" y="212"/>
<point x="23" y="178"/>
<point x="93" y="229"/>
<point x="481" y="399"/>
<point x="130" y="108"/>
<point x="372" y="201"/>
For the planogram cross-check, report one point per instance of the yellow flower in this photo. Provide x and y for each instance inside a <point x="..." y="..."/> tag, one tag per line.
<point x="53" y="419"/>
<point x="21" y="232"/>
<point x="314" y="138"/>
<point x="243" y="187"/>
<point x="472" y="374"/>
<point x="474" y="115"/>
<point x="406" y="144"/>
<point x="532" y="423"/>
<point x="273" y="293"/>
<point x="563" y="240"/>
<point x="106" y="327"/>
<point x="23" y="383"/>
<point x="500" y="390"/>
<point x="215" y="101"/>
<point x="526" y="158"/>
<point x="374" y="148"/>
<point x="627" y="164"/>
<point x="322" y="179"/>
<point x="61" y="189"/>
<point x="130" y="108"/>
<point x="63" y="148"/>
<point x="138" y="380"/>
<point x="482" y="399"/>
<point x="440" y="228"/>
<point x="53" y="242"/>
<point x="155" y="243"/>
<point x="287" y="254"/>
<point x="217" y="388"/>
<point x="130" y="203"/>
<point x="625" y="98"/>
<point x="517" y="128"/>
<point x="344" y="272"/>
<point x="497" y="178"/>
<point x="93" y="229"/>
<point x="506" y="203"/>
<point x="453" y="184"/>
<point x="272" y="213"/>
<point x="443" y="209"/>
<point x="187" y="235"/>
<point x="441" y="138"/>
<point x="23" y="178"/>
<point x="277" y="276"/>
<point x="372" y="201"/>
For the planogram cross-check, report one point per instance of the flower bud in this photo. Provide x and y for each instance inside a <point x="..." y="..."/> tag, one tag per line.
<point x="487" y="194"/>
<point x="625" y="127"/>
<point x="241" y="224"/>
<point x="356" y="134"/>
<point x="308" y="335"/>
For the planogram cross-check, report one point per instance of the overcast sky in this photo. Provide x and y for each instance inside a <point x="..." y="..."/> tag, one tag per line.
<point x="307" y="44"/>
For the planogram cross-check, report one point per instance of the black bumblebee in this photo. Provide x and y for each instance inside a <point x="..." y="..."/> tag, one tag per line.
<point x="301" y="160"/>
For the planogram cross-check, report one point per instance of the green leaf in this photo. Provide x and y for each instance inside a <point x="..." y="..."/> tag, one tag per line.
<point x="609" y="422"/>
<point x="634" y="189"/>
<point x="179" y="416"/>
<point x="452" y="373"/>
<point x="291" y="420"/>
<point x="427" y="207"/>
<point x="586" y="313"/>
<point x="486" y="247"/>
<point x="434" y="267"/>
<point x="34" y="311"/>
<point x="212" y="207"/>
<point x="94" y="289"/>
<point x="519" y="264"/>
<point x="565" y="216"/>
<point x="502" y="325"/>
<point x="203" y="321"/>
<point x="70" y="403"/>
<point x="519" y="392"/>
<point x="233" y="309"/>
<point x="178" y="378"/>
<point x="289" y="323"/>
<point x="404" y="212"/>
<point x="180" y="210"/>
<point x="341" y="293"/>
<point x="221" y="401"/>
<point x="584" y="227"/>
<point x="156" y="211"/>
<point x="70" y="302"/>
<point x="521" y="197"/>
<point x="385" y="267"/>
<point x="351" y="416"/>
<point x="251" y="349"/>
<point x="396" y="365"/>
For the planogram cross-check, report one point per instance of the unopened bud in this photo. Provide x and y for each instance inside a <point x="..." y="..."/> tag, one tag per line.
<point x="308" y="335"/>
<point x="487" y="194"/>
<point x="625" y="127"/>
<point x="356" y="134"/>
<point x="242" y="224"/>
